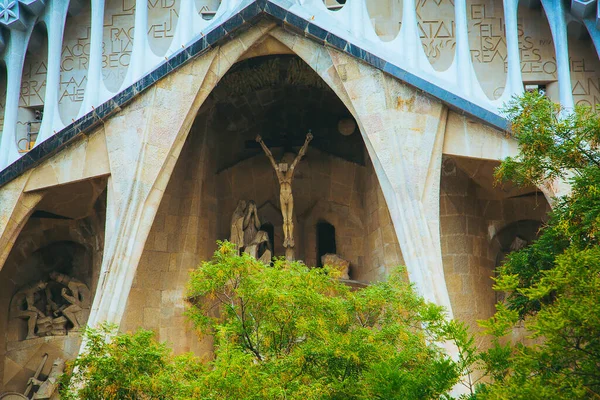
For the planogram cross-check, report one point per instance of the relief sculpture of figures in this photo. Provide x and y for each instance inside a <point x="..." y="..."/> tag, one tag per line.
<point x="285" y="175"/>
<point x="65" y="299"/>
<point x="79" y="299"/>
<point x="23" y="306"/>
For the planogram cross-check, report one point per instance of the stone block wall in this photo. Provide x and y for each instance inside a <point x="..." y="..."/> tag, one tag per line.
<point x="382" y="249"/>
<point x="471" y="217"/>
<point x="183" y="234"/>
<point x="468" y="266"/>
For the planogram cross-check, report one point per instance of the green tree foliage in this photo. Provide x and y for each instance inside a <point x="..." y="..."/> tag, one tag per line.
<point x="287" y="332"/>
<point x="128" y="367"/>
<point x="554" y="284"/>
<point x="292" y="332"/>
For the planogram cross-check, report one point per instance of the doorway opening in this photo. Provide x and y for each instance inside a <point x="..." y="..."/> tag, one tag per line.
<point x="325" y="241"/>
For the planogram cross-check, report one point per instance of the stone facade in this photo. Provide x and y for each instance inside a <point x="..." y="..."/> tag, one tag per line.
<point x="71" y="245"/>
<point x="141" y="161"/>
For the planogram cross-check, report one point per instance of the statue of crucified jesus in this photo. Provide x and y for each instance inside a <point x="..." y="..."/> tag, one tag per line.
<point x="285" y="175"/>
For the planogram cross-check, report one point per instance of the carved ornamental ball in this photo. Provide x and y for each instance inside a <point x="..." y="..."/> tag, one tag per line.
<point x="346" y="126"/>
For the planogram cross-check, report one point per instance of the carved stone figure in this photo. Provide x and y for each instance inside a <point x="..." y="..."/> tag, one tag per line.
<point x="285" y="175"/>
<point x="237" y="225"/>
<point x="266" y="257"/>
<point x="333" y="260"/>
<point x="23" y="306"/>
<point x="65" y="299"/>
<point x="517" y="244"/>
<point x="251" y="223"/>
<point x="261" y="240"/>
<point x="48" y="387"/>
<point x="79" y="299"/>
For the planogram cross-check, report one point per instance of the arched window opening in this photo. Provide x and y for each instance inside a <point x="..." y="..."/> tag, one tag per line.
<point x="325" y="240"/>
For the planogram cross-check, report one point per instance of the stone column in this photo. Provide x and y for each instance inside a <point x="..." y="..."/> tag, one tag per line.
<point x="555" y="12"/>
<point x="514" y="77"/>
<point x="17" y="46"/>
<point x="55" y="21"/>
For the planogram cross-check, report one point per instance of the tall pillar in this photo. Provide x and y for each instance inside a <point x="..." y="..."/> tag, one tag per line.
<point x="556" y="14"/>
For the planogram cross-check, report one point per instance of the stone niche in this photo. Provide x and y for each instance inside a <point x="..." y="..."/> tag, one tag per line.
<point x="479" y="223"/>
<point x="49" y="278"/>
<point x="280" y="98"/>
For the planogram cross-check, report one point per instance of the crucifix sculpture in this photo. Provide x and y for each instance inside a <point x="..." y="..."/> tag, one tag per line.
<point x="285" y="175"/>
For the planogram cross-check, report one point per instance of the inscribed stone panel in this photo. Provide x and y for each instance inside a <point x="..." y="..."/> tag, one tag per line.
<point x="163" y="16"/>
<point x="207" y="6"/>
<point x="386" y="17"/>
<point x="536" y="47"/>
<point x="487" y="42"/>
<point x="74" y="59"/>
<point x="119" y="16"/>
<point x="585" y="72"/>
<point x="33" y="85"/>
<point x="435" y="20"/>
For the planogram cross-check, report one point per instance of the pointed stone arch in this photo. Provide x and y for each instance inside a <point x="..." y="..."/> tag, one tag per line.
<point x="15" y="209"/>
<point x="144" y="142"/>
<point x="409" y="179"/>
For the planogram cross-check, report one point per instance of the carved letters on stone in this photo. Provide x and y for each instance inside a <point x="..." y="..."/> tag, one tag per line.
<point x="53" y="307"/>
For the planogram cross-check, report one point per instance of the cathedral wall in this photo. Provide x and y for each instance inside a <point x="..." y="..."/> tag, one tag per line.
<point x="182" y="235"/>
<point x="467" y="264"/>
<point x="471" y="220"/>
<point x="196" y="211"/>
<point x="488" y="45"/>
<point x="49" y="243"/>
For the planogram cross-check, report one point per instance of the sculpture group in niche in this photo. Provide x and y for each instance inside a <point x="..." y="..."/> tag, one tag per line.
<point x="46" y="388"/>
<point x="65" y="302"/>
<point x="246" y="233"/>
<point x="285" y="176"/>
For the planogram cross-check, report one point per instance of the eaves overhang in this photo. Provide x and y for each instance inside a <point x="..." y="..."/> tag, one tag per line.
<point x="230" y="28"/>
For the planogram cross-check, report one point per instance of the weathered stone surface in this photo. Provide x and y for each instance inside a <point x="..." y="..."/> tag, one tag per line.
<point x="166" y="199"/>
<point x="333" y="260"/>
